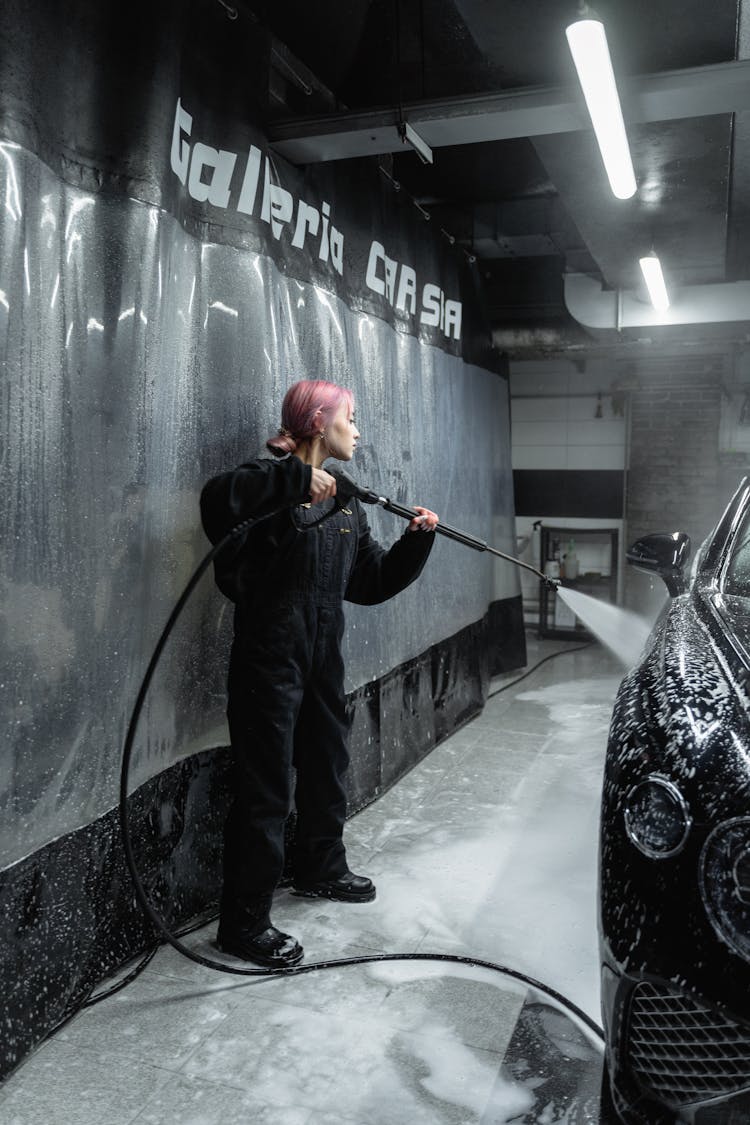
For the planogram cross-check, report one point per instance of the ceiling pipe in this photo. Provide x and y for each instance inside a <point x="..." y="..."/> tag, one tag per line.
<point x="518" y="339"/>
<point x="595" y="307"/>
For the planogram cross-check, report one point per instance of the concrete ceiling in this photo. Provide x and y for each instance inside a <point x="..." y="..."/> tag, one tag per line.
<point x="516" y="176"/>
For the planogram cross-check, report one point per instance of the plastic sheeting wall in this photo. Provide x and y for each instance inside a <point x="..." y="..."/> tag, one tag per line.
<point x="137" y="361"/>
<point x="149" y="326"/>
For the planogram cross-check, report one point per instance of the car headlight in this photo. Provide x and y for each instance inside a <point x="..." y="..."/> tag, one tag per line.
<point x="657" y="819"/>
<point x="725" y="882"/>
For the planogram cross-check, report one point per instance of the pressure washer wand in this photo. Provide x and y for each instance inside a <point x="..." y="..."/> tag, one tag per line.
<point x="346" y="487"/>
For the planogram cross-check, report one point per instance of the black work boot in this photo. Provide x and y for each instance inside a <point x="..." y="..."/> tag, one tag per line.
<point x="246" y="932"/>
<point x="346" y="888"/>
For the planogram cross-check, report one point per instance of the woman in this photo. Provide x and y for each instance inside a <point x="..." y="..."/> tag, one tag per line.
<point x="288" y="577"/>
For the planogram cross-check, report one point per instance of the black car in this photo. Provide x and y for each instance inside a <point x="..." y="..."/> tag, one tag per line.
<point x="674" y="864"/>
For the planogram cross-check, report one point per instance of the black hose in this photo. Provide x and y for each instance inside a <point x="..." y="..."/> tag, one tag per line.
<point x="220" y="966"/>
<point x="552" y="655"/>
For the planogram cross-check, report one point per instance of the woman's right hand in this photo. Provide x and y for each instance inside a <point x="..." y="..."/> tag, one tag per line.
<point x="322" y="486"/>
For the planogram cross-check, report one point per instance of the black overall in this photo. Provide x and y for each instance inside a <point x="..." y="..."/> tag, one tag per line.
<point x="286" y="700"/>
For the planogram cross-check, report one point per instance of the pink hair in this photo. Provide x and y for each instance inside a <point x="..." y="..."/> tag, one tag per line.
<point x="308" y="407"/>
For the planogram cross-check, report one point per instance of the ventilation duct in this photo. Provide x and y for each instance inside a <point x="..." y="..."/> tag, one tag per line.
<point x="595" y="307"/>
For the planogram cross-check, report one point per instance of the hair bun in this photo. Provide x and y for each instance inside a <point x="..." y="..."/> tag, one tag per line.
<point x="281" y="443"/>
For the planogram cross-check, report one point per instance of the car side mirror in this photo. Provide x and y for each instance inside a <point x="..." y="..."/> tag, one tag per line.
<point x="664" y="554"/>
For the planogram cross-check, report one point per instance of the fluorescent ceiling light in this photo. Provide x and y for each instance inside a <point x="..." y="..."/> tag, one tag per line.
<point x="654" y="279"/>
<point x="588" y="46"/>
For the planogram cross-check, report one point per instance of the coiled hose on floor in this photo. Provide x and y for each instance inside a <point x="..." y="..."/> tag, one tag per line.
<point x="237" y="970"/>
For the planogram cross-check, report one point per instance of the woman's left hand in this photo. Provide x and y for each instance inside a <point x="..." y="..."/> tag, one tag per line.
<point x="425" y="521"/>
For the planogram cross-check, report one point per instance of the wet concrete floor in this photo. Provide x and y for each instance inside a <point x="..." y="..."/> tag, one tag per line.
<point x="487" y="850"/>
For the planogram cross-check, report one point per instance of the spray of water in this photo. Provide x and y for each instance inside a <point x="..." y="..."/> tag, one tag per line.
<point x="624" y="633"/>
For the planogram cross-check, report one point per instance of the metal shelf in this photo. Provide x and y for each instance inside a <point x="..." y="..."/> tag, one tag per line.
<point x="555" y="618"/>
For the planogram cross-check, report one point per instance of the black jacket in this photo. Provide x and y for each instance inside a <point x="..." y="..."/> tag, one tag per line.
<point x="275" y="560"/>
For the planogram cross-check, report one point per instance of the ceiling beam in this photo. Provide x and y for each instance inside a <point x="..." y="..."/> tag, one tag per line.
<point x="532" y="112"/>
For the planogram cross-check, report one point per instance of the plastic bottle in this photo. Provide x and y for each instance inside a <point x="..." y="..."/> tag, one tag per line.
<point x="571" y="561"/>
<point x="536" y="548"/>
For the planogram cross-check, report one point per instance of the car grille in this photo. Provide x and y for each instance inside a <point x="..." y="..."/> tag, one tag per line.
<point x="682" y="1051"/>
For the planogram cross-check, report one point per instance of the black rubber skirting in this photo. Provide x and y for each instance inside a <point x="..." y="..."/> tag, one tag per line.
<point x="69" y="917"/>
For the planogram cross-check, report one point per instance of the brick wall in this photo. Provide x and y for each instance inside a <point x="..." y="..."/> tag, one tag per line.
<point x="674" y="482"/>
